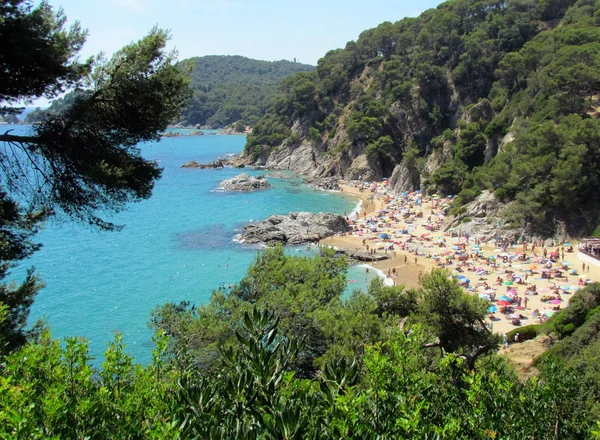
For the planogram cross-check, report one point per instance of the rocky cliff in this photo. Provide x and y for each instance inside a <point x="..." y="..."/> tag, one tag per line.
<point x="451" y="104"/>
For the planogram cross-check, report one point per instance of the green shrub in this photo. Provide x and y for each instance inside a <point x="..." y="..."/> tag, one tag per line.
<point x="525" y="333"/>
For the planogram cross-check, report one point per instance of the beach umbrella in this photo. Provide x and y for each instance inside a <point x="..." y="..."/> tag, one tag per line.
<point x="555" y="301"/>
<point x="508" y="283"/>
<point x="549" y="312"/>
<point x="492" y="309"/>
<point x="505" y="298"/>
<point x="503" y="303"/>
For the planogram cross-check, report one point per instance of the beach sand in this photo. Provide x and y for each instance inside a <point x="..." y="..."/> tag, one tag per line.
<point x="408" y="271"/>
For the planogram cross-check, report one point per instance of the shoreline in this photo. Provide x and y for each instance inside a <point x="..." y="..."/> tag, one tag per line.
<point x="407" y="273"/>
<point x="491" y="268"/>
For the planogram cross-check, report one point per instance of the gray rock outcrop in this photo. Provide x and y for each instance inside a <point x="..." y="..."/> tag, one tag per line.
<point x="405" y="179"/>
<point x="294" y="228"/>
<point x="217" y="164"/>
<point x="245" y="183"/>
<point x="326" y="183"/>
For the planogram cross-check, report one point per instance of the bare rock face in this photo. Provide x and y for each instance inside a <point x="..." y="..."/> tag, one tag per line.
<point x="361" y="169"/>
<point x="245" y="183"/>
<point x="294" y="228"/>
<point x="405" y="179"/>
<point x="480" y="218"/>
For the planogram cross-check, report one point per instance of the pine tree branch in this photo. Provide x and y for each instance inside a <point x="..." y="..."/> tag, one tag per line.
<point x="19" y="139"/>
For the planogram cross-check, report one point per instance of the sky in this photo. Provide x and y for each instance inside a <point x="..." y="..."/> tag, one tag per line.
<point x="261" y="29"/>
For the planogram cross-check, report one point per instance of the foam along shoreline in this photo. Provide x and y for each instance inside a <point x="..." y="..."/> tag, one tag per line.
<point x="356" y="211"/>
<point x="387" y="281"/>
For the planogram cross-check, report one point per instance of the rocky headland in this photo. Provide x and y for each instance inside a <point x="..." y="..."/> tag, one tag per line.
<point x="245" y="183"/>
<point x="294" y="228"/>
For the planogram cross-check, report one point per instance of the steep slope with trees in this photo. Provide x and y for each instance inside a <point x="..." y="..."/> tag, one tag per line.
<point x="227" y="89"/>
<point x="474" y="95"/>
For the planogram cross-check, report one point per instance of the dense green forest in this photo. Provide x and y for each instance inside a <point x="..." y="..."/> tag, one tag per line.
<point x="283" y="355"/>
<point x="496" y="95"/>
<point x="227" y="89"/>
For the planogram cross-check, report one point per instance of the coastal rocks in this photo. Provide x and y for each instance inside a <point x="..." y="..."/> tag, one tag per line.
<point x="294" y="228"/>
<point x="362" y="169"/>
<point x="217" y="164"/>
<point x="171" y="134"/>
<point x="480" y="218"/>
<point x="245" y="183"/>
<point x="483" y="218"/>
<point x="278" y="175"/>
<point x="365" y="256"/>
<point x="325" y="183"/>
<point x="405" y="179"/>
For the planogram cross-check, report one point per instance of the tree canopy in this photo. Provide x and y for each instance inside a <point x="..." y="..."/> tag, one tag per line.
<point x="228" y="89"/>
<point x="493" y="95"/>
<point x="83" y="160"/>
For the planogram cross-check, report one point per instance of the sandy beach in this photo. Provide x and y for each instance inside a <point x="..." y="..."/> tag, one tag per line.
<point x="413" y="226"/>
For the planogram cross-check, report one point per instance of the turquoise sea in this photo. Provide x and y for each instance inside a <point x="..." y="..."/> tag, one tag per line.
<point x="177" y="245"/>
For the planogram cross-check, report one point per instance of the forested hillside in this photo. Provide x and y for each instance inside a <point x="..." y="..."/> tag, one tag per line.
<point x="228" y="89"/>
<point x="497" y="95"/>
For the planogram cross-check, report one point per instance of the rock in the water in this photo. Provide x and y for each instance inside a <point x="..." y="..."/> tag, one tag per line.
<point x="278" y="175"/>
<point x="244" y="182"/>
<point x="295" y="228"/>
<point x="326" y="183"/>
<point x="217" y="164"/>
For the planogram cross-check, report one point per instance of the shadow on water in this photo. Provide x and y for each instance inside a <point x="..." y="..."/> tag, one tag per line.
<point x="208" y="238"/>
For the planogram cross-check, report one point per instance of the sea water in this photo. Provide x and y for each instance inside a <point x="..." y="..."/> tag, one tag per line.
<point x="176" y="246"/>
